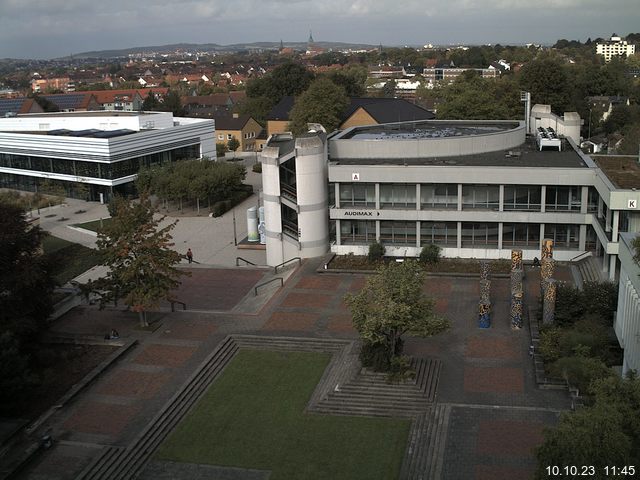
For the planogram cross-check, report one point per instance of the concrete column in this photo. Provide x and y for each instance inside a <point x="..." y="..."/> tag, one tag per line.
<point x="338" y="237"/>
<point x="459" y="240"/>
<point x="584" y="201"/>
<point x="501" y="202"/>
<point x="582" y="239"/>
<point x="418" y="207"/>
<point x="616" y="224"/>
<point x="607" y="221"/>
<point x="541" y="236"/>
<point x="271" y="200"/>
<point x="500" y="227"/>
<point x="612" y="267"/>
<point x="459" y="198"/>
<point x="418" y="234"/>
<point x="378" y="199"/>
<point x="600" y="204"/>
<point x="337" y="194"/>
<point x="543" y="200"/>
<point x="377" y="230"/>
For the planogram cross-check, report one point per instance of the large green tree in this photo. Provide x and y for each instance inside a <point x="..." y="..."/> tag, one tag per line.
<point x="392" y="304"/>
<point x="547" y="80"/>
<point x="26" y="287"/>
<point x="604" y="434"/>
<point x="137" y="251"/>
<point x="323" y="102"/>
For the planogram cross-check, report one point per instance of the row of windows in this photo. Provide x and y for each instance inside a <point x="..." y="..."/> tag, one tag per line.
<point x="108" y="171"/>
<point x="362" y="232"/>
<point x="474" y="197"/>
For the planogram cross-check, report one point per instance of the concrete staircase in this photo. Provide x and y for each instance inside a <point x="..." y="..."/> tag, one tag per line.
<point x="370" y="394"/>
<point x="425" y="449"/>
<point x="117" y="463"/>
<point x="587" y="270"/>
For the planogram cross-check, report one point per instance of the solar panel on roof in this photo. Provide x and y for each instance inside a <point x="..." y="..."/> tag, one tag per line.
<point x="60" y="131"/>
<point x="66" y="101"/>
<point x="113" y="133"/>
<point x="8" y="105"/>
<point x="84" y="133"/>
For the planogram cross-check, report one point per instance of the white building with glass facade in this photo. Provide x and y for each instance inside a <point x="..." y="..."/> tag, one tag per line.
<point x="476" y="188"/>
<point x="101" y="150"/>
<point x="627" y="320"/>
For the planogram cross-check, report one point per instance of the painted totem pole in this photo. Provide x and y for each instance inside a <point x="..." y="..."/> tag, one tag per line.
<point x="484" y="306"/>
<point x="517" y="290"/>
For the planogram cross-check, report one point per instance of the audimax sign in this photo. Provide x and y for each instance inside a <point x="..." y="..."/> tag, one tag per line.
<point x="361" y="213"/>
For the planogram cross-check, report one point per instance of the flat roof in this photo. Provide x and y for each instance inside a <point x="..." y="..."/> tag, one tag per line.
<point x="90" y="113"/>
<point x="426" y="129"/>
<point x="623" y="171"/>
<point x="525" y="155"/>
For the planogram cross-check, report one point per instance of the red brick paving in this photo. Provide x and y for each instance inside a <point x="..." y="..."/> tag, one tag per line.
<point x="340" y="323"/>
<point x="165" y="355"/>
<point x="320" y="282"/>
<point x="101" y="418"/>
<point x="293" y="321"/>
<point x="189" y="330"/>
<point x="442" y="306"/>
<point x="437" y="287"/>
<point x="498" y="472"/>
<point x="493" y="347"/>
<point x="357" y="283"/>
<point x="506" y="437"/>
<point x="309" y="300"/>
<point x="134" y="384"/>
<point x="493" y="379"/>
<point x="216" y="289"/>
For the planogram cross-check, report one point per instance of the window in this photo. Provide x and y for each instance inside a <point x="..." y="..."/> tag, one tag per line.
<point x="563" y="199"/>
<point x="220" y="137"/>
<point x="398" y="233"/>
<point x="521" y="235"/>
<point x="400" y="196"/>
<point x="439" y="196"/>
<point x="522" y="197"/>
<point x="480" y="235"/>
<point x="229" y="136"/>
<point x="357" y="232"/>
<point x="357" y="195"/>
<point x="440" y="233"/>
<point x="480" y="197"/>
<point x="563" y="235"/>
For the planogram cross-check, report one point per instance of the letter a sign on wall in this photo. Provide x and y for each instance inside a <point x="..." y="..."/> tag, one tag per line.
<point x="355" y="177"/>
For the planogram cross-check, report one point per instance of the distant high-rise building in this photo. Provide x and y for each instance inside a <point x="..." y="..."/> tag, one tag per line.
<point x="615" y="47"/>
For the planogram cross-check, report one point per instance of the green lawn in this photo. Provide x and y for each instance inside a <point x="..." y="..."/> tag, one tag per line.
<point x="94" y="225"/>
<point x="68" y="259"/>
<point x="252" y="417"/>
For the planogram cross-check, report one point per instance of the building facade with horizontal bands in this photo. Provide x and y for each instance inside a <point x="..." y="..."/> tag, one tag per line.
<point x="95" y="154"/>
<point x="476" y="188"/>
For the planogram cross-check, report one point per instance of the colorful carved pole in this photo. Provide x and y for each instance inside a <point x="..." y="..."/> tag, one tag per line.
<point x="549" y="303"/>
<point x="516" y="260"/>
<point x="484" y="306"/>
<point x="484" y="315"/>
<point x="547" y="248"/>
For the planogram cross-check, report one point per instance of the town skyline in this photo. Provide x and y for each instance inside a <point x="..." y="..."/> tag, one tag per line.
<point x="59" y="29"/>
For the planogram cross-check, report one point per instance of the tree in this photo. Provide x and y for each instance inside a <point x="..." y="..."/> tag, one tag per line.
<point x="233" y="144"/>
<point x="26" y="288"/>
<point x="390" y="305"/>
<point x="604" y="434"/>
<point x="150" y="103"/>
<point x="221" y="149"/>
<point x="548" y="82"/>
<point x="323" y="103"/>
<point x="141" y="263"/>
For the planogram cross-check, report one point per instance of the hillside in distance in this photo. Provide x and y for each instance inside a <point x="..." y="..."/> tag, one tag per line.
<point x="214" y="47"/>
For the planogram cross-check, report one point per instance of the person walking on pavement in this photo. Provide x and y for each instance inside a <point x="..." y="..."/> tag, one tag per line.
<point x="189" y="255"/>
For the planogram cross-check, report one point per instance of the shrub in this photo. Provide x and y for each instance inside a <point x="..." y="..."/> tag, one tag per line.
<point x="549" y="345"/>
<point x="220" y="208"/>
<point x="600" y="299"/>
<point x="430" y="254"/>
<point x="376" y="252"/>
<point x="257" y="167"/>
<point x="580" y="371"/>
<point x="377" y="356"/>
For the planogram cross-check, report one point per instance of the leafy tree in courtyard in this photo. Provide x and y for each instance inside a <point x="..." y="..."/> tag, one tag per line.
<point x="604" y="434"/>
<point x="548" y="82"/>
<point x="26" y="288"/>
<point x="390" y="305"/>
<point x="138" y="252"/>
<point x="233" y="144"/>
<point x="323" y="103"/>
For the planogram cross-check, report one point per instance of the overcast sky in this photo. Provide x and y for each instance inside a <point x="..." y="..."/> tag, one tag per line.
<point x="54" y="28"/>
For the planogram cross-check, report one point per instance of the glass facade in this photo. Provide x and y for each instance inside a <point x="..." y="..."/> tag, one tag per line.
<point x="357" y="195"/>
<point x="480" y="235"/>
<point x="357" y="232"/>
<point x="521" y="235"/>
<point x="563" y="236"/>
<point x="439" y="196"/>
<point x="398" y="195"/>
<point x="522" y="197"/>
<point x="398" y="233"/>
<point x="563" y="199"/>
<point x="480" y="197"/>
<point x="440" y="233"/>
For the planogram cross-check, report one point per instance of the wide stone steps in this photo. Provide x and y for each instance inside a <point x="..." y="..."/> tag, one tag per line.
<point x="370" y="394"/>
<point x="590" y="270"/>
<point x="103" y="463"/>
<point x="126" y="463"/>
<point x="425" y="448"/>
<point x="289" y="344"/>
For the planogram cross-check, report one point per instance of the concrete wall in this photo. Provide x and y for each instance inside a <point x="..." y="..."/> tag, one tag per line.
<point x="627" y="320"/>
<point x="567" y="125"/>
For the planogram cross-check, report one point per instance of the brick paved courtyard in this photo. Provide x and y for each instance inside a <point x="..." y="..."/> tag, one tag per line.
<point x="497" y="411"/>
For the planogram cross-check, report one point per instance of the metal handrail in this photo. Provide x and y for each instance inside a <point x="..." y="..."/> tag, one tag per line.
<point x="173" y="305"/>
<point x="244" y="260"/>
<point x="578" y="256"/>
<point x="255" y="289"/>
<point x="275" y="269"/>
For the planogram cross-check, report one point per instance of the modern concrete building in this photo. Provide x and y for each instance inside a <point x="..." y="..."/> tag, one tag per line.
<point x="101" y="150"/>
<point x="627" y="321"/>
<point x="476" y="188"/>
<point x="615" y="47"/>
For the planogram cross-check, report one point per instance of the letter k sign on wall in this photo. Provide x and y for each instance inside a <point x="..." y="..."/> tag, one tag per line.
<point x="632" y="203"/>
<point x="355" y="177"/>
